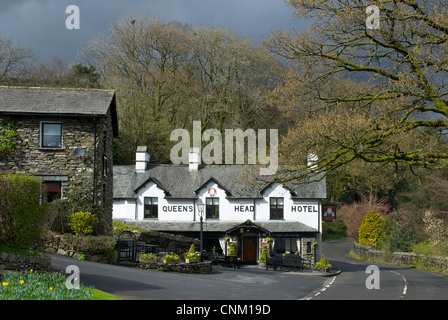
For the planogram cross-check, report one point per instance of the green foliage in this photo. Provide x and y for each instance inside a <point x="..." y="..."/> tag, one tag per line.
<point x="31" y="285"/>
<point x="322" y="264"/>
<point x="398" y="233"/>
<point x="192" y="248"/>
<point x="82" y="223"/>
<point x="7" y="134"/>
<point x="334" y="230"/>
<point x="370" y="228"/>
<point x="20" y="211"/>
<point x="232" y="251"/>
<point x="264" y="254"/>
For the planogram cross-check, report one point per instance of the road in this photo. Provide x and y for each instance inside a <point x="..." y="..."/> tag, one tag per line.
<point x="395" y="283"/>
<point x="251" y="283"/>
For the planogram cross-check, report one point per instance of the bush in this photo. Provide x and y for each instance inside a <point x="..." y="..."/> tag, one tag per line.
<point x="398" y="233"/>
<point x="370" y="228"/>
<point x="352" y="214"/>
<point x="20" y="211"/>
<point x="322" y="264"/>
<point x="232" y="251"/>
<point x="264" y="254"/>
<point x="82" y="223"/>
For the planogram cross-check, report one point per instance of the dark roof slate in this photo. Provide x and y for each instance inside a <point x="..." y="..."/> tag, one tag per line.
<point x="239" y="182"/>
<point x="55" y="101"/>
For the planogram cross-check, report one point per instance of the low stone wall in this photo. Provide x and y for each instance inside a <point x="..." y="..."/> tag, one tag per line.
<point x="12" y="262"/>
<point x="198" y="267"/>
<point x="402" y="258"/>
<point x="97" y="249"/>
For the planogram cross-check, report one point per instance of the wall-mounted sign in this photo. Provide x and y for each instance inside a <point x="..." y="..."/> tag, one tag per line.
<point x="178" y="208"/>
<point x="212" y="192"/>
<point x="243" y="208"/>
<point x="302" y="208"/>
<point x="329" y="212"/>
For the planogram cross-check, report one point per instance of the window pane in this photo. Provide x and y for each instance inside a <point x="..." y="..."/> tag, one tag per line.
<point x="208" y="201"/>
<point x="52" y="135"/>
<point x="216" y="201"/>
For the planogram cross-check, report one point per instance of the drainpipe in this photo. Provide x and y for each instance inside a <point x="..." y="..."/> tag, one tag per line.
<point x="94" y="159"/>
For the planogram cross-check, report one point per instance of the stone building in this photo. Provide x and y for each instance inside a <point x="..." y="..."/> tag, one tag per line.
<point x="64" y="137"/>
<point x="238" y="206"/>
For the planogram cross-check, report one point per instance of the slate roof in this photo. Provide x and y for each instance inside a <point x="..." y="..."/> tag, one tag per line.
<point x="58" y="102"/>
<point x="217" y="226"/>
<point x="239" y="182"/>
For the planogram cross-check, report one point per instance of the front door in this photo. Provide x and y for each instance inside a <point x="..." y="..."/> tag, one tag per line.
<point x="250" y="248"/>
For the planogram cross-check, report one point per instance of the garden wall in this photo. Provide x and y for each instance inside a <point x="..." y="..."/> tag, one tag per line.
<point x="92" y="248"/>
<point x="13" y="262"/>
<point x="402" y="258"/>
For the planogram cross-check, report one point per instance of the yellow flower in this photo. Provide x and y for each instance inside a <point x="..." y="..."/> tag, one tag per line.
<point x="4" y="284"/>
<point x="22" y="282"/>
<point x="51" y="288"/>
<point x="31" y="270"/>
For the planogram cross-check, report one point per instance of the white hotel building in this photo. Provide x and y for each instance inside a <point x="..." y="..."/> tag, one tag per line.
<point x="239" y="205"/>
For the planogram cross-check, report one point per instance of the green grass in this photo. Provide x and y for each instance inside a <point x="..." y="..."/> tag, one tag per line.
<point x="29" y="285"/>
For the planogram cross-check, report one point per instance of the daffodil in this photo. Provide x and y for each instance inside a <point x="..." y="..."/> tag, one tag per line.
<point x="4" y="284"/>
<point x="22" y="282"/>
<point x="51" y="288"/>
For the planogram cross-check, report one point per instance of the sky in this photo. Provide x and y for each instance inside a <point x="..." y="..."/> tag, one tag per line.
<point x="41" y="24"/>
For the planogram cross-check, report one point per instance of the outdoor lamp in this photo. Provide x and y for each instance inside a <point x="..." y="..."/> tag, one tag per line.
<point x="201" y="217"/>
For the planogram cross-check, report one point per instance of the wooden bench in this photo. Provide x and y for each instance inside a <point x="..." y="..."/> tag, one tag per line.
<point x="280" y="260"/>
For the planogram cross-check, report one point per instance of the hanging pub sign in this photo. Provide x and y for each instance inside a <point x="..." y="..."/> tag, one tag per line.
<point x="329" y="212"/>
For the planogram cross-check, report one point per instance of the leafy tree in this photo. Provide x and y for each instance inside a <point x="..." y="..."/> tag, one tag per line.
<point x="375" y="95"/>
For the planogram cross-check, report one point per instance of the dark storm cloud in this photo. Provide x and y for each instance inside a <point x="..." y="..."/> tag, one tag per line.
<point x="41" y="23"/>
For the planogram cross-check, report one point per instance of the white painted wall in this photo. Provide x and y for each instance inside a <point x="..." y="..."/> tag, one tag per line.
<point x="305" y="211"/>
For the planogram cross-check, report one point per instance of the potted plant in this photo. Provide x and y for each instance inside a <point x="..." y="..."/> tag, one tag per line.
<point x="191" y="257"/>
<point x="170" y="258"/>
<point x="263" y="256"/>
<point x="148" y="258"/>
<point x="323" y="265"/>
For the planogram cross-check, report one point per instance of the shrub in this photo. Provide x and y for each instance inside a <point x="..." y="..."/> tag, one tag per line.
<point x="82" y="223"/>
<point x="370" y="228"/>
<point x="264" y="254"/>
<point x="232" y="251"/>
<point x="352" y="214"/>
<point x="20" y="211"/>
<point x="323" y="263"/>
<point x="398" y="233"/>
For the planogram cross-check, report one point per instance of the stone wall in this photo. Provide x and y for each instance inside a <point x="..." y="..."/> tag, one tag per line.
<point x="12" y="262"/>
<point x="92" y="248"/>
<point x="402" y="258"/>
<point x="198" y="267"/>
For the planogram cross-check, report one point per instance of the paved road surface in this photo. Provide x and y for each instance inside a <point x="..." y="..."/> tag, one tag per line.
<point x="395" y="283"/>
<point x="248" y="283"/>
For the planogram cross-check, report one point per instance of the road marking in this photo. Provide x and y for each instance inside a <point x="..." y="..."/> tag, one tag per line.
<point x="405" y="289"/>
<point x="324" y="287"/>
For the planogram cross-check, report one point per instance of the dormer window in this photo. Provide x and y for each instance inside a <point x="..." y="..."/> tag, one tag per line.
<point x="51" y="135"/>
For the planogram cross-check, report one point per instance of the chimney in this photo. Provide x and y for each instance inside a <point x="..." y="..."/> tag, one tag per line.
<point x="311" y="160"/>
<point x="141" y="159"/>
<point x="194" y="159"/>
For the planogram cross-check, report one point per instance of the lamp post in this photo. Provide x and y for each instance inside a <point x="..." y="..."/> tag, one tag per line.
<point x="201" y="217"/>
